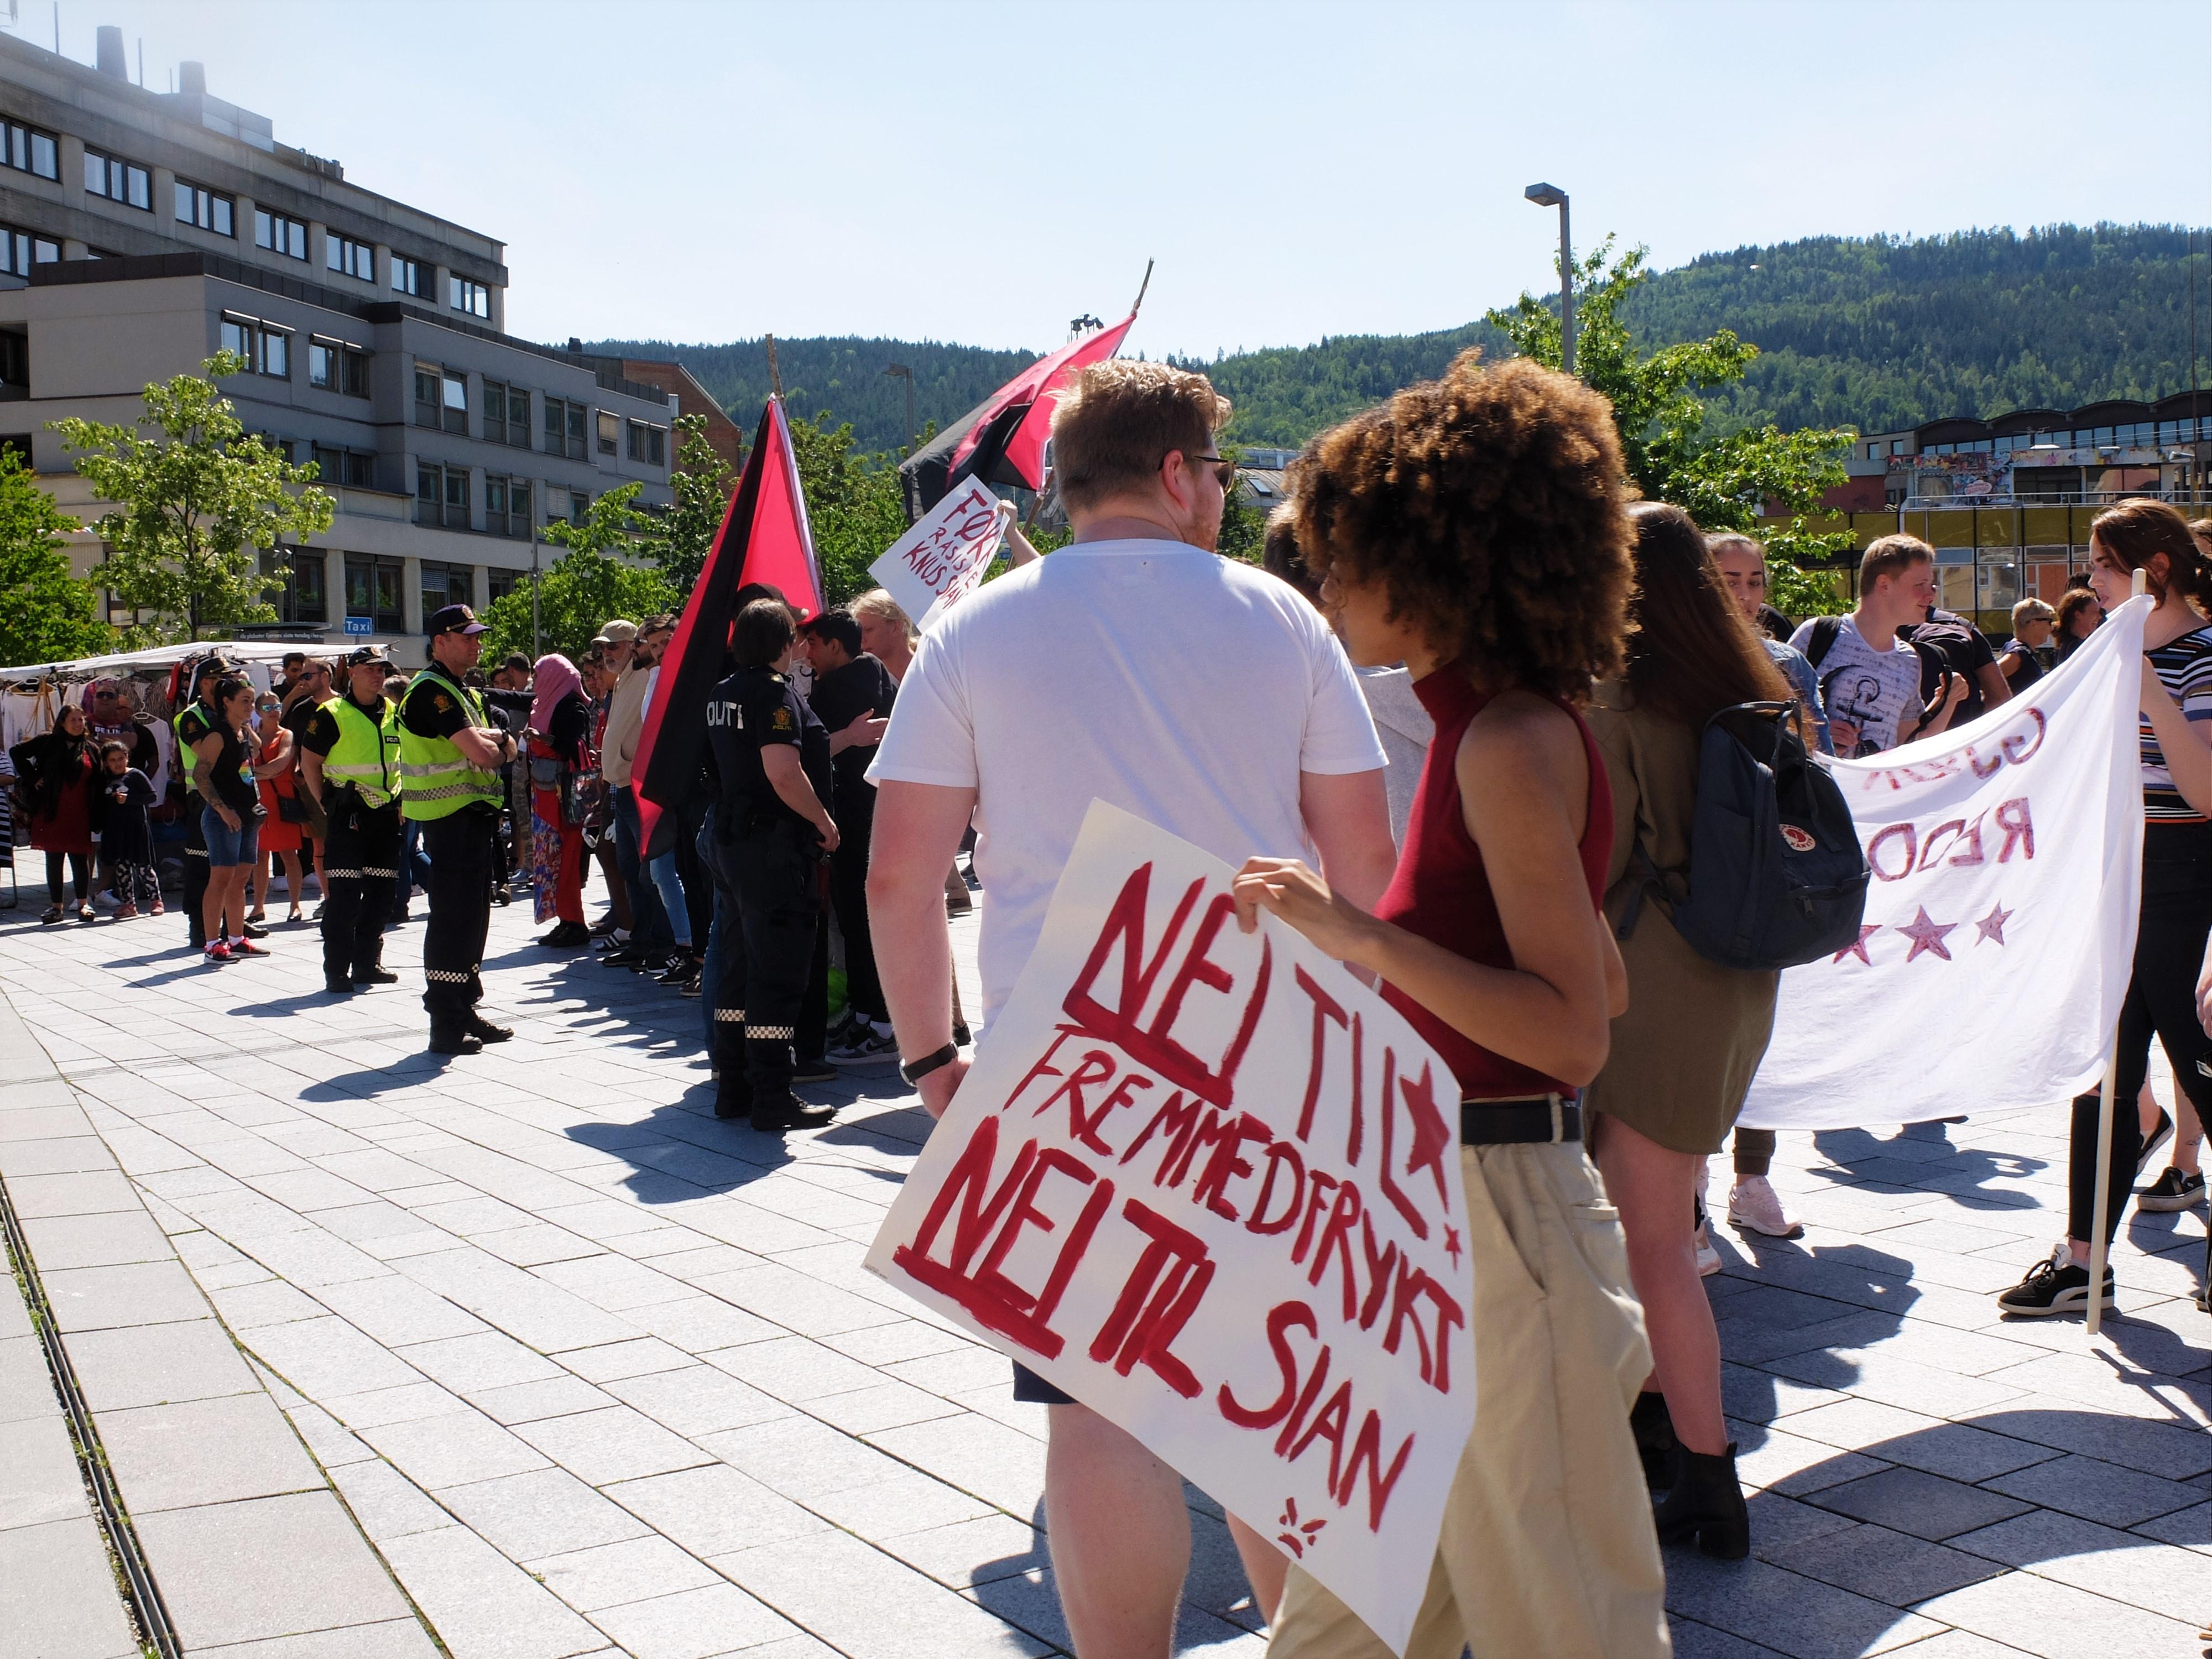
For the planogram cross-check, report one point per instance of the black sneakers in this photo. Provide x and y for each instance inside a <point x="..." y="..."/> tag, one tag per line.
<point x="2173" y="1191"/>
<point x="2055" y="1286"/>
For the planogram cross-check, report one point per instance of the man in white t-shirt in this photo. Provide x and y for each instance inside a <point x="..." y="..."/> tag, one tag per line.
<point x="1869" y="678"/>
<point x="1138" y="667"/>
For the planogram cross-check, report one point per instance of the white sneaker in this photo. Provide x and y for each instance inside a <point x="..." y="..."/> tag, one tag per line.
<point x="1753" y="1204"/>
<point x="104" y="900"/>
<point x="1708" y="1259"/>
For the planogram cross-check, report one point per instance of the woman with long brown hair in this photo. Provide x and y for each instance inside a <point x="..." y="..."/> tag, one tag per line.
<point x="2079" y="617"/>
<point x="1684" y="1052"/>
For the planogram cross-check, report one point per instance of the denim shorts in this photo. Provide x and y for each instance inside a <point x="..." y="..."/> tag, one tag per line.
<point x="227" y="847"/>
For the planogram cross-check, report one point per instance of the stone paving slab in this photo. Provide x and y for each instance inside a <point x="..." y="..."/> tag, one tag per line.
<point x="597" y="1373"/>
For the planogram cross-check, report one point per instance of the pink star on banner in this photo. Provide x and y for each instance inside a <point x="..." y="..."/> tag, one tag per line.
<point x="1927" y="935"/>
<point x="1867" y="930"/>
<point x="1992" y="925"/>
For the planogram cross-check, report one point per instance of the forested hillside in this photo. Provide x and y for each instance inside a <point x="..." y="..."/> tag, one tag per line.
<point x="1876" y="332"/>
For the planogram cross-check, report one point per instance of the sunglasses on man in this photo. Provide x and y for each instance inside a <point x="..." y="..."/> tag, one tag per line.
<point x="1225" y="470"/>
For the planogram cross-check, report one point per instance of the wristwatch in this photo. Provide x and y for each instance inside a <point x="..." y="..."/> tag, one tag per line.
<point x="915" y="1071"/>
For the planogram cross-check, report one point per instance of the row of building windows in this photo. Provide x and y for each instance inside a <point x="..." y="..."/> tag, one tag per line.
<point x="280" y="234"/>
<point x="208" y="210"/>
<point x="372" y="587"/>
<point x="2139" y="434"/>
<point x="443" y="499"/>
<point x="20" y="250"/>
<point x="118" y="181"/>
<point x="29" y="151"/>
<point x="264" y="348"/>
<point x="442" y="400"/>
<point x="352" y="259"/>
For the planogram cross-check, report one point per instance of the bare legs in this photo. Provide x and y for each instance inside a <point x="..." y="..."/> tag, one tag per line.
<point x="1651" y="1186"/>
<point x="2188" y="1130"/>
<point x="1120" y="1537"/>
<point x="226" y="892"/>
<point x="1266" y="1567"/>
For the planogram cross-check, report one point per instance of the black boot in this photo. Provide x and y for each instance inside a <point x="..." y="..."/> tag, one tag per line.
<point x="454" y="1039"/>
<point x="772" y="1116"/>
<point x="733" y="1095"/>
<point x="337" y="987"/>
<point x="483" y="1030"/>
<point x="1655" y="1439"/>
<point x="1706" y="1502"/>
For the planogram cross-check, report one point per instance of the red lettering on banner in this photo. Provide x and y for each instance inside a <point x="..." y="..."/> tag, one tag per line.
<point x="2018" y="747"/>
<point x="1970" y="844"/>
<point x="1125" y="926"/>
<point x="2020" y="828"/>
<point x="1306" y="1397"/>
<point x="1337" y="1236"/>
<point x="1326" y="1008"/>
<point x="1092" y="1070"/>
<point x="1412" y="1285"/>
<point x="1178" y="1114"/>
<point x="1163" y="1290"/>
<point x="1044" y="1067"/>
<point x="1368" y="1449"/>
<point x="1431" y="1137"/>
<point x="1318" y="1189"/>
<point x="993" y="1300"/>
<point x="1911" y="852"/>
<point x="1225" y="1165"/>
<point x="1278" y="1154"/>
<point x="1378" y="1271"/>
<point x="1329" y="1424"/>
<point x="1928" y="847"/>
<point x="1280" y="1318"/>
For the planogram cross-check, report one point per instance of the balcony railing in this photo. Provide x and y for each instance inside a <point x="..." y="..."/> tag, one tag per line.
<point x="2182" y="498"/>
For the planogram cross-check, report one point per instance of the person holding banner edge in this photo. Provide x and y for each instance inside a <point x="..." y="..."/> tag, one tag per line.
<point x="1473" y="529"/>
<point x="2176" y="915"/>
<point x="1200" y="694"/>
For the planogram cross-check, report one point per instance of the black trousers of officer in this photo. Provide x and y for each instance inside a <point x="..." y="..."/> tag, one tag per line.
<point x="771" y="871"/>
<point x="462" y="847"/>
<point x="196" y="871"/>
<point x="361" y="862"/>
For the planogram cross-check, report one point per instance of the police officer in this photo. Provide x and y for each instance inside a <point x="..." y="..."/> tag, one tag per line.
<point x="771" y="833"/>
<point x="191" y="724"/>
<point x="349" y="768"/>
<point x="450" y="754"/>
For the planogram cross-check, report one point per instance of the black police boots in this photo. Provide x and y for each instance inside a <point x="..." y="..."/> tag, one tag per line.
<point x="374" y="974"/>
<point x="773" y="1115"/>
<point x="454" y="1038"/>
<point x="483" y="1030"/>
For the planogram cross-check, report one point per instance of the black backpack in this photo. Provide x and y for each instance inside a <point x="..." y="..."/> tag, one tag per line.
<point x="1777" y="875"/>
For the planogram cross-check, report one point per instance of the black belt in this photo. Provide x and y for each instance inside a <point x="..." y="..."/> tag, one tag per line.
<point x="1529" y="1118"/>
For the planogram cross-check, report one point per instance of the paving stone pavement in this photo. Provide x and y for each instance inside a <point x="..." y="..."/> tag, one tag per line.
<point x="597" y="1373"/>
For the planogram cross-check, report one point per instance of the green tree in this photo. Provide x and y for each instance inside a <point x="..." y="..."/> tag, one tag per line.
<point x="855" y="505"/>
<point x="587" y="586"/>
<point x="196" y="504"/>
<point x="1660" y="405"/>
<point x="679" y="538"/>
<point x="46" y="613"/>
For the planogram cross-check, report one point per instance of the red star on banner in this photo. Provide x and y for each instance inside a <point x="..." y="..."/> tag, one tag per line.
<point x="1867" y="930"/>
<point x="1432" y="1136"/>
<point x="1927" y="935"/>
<point x="1452" y="1246"/>
<point x="1992" y="925"/>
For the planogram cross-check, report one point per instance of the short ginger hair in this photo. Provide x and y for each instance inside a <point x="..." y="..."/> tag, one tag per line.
<point x="1121" y="419"/>
<point x="1491" y="505"/>
<point x="1891" y="555"/>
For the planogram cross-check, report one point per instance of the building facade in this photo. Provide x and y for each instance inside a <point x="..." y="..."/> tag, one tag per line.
<point x="140" y="232"/>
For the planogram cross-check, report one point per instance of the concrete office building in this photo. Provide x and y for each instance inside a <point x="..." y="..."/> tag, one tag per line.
<point x="140" y="231"/>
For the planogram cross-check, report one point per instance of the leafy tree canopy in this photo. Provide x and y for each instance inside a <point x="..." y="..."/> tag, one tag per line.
<point x="46" y="613"/>
<point x="679" y="539"/>
<point x="196" y="504"/>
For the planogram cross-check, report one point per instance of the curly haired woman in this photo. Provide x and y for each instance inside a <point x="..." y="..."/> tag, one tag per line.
<point x="1473" y="528"/>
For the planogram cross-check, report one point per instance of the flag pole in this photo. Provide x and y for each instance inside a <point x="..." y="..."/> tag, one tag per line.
<point x="1141" y="287"/>
<point x="2101" y="1205"/>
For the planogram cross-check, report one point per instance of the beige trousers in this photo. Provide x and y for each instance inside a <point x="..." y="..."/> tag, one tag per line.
<point x="1547" y="1550"/>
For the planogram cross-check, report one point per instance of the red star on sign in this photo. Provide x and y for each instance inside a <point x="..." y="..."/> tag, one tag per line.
<point x="1432" y="1136"/>
<point x="1992" y="925"/>
<point x="1867" y="930"/>
<point x="1927" y="935"/>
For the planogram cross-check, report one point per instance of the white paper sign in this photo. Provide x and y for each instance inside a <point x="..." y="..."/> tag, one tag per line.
<point x="1208" y="1184"/>
<point x="2007" y="862"/>
<point x="942" y="559"/>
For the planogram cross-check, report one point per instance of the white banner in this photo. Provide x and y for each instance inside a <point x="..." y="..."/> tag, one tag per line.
<point x="942" y="558"/>
<point x="1208" y="1182"/>
<point x="2000" y="926"/>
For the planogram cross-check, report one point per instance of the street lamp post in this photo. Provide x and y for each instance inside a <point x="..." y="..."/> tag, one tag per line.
<point x="906" y="375"/>
<point x="1553" y="196"/>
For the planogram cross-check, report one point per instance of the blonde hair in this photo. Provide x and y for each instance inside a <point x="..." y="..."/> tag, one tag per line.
<point x="2028" y="610"/>
<point x="1121" y="419"/>
<point x="879" y="602"/>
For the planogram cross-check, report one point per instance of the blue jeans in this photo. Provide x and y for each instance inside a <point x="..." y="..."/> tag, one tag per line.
<point x="649" y="925"/>
<point x="227" y="847"/>
<point x="710" y="973"/>
<point x="673" y="905"/>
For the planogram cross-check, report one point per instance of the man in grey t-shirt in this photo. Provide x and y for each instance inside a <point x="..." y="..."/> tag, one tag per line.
<point x="1869" y="678"/>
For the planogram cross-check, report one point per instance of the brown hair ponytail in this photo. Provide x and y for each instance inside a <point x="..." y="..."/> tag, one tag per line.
<point x="2135" y="531"/>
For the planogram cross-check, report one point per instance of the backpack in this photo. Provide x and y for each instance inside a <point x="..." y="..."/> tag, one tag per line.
<point x="1777" y="876"/>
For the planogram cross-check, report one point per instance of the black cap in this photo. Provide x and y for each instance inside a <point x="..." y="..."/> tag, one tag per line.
<point x="366" y="654"/>
<point x="453" y="619"/>
<point x="218" y="664"/>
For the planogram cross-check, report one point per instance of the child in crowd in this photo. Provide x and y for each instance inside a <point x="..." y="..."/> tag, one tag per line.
<point x="126" y="839"/>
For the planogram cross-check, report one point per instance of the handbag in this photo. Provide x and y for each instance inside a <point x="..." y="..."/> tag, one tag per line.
<point x="290" y="809"/>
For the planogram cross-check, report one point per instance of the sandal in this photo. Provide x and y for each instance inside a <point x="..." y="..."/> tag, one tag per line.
<point x="84" y="913"/>
<point x="257" y="914"/>
<point x="295" y="918"/>
<point x="52" y="915"/>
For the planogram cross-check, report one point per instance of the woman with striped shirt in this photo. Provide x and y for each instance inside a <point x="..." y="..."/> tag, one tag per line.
<point x="2175" y="735"/>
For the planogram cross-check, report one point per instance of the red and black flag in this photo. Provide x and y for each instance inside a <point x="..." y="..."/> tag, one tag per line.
<point x="765" y="538"/>
<point x="1001" y="441"/>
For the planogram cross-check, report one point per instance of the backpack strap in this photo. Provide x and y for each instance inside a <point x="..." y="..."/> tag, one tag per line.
<point x="1650" y="883"/>
<point x="1825" y="630"/>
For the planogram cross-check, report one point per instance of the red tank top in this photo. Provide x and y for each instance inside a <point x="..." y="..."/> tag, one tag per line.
<point x="1440" y="891"/>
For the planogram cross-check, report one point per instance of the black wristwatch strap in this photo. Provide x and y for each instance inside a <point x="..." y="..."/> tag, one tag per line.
<point x="915" y="1071"/>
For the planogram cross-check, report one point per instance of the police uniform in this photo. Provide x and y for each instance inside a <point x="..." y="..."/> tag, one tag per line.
<point x="360" y="747"/>
<point x="456" y="803"/>
<point x="768" y="859"/>
<point x="191" y="724"/>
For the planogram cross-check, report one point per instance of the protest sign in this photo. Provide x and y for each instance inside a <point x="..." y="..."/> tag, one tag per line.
<point x="942" y="558"/>
<point x="2007" y="862"/>
<point x="1208" y="1182"/>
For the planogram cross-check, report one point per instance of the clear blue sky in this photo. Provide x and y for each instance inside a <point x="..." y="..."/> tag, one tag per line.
<point x="982" y="172"/>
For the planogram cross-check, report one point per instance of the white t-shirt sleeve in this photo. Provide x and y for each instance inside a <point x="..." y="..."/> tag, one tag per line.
<point x="930" y="739"/>
<point x="1339" y="732"/>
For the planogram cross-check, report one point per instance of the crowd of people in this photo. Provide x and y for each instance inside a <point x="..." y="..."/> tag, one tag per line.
<point x="1461" y="592"/>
